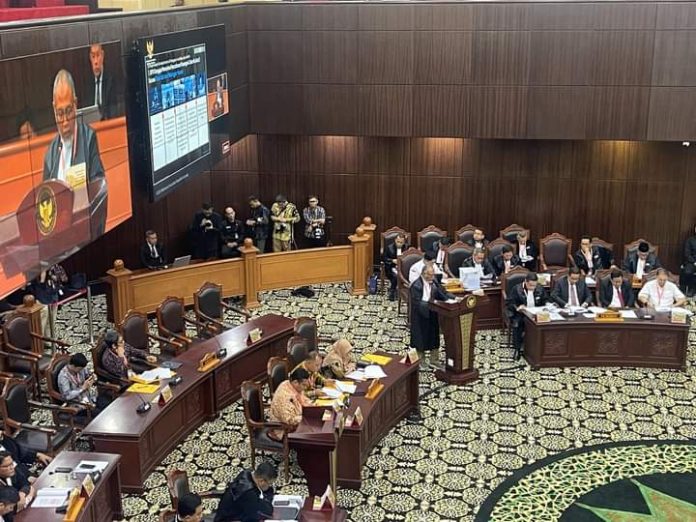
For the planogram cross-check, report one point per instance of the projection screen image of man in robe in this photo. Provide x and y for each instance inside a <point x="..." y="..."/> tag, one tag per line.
<point x="73" y="155"/>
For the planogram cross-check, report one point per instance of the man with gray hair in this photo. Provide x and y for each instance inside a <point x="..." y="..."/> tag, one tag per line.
<point x="73" y="155"/>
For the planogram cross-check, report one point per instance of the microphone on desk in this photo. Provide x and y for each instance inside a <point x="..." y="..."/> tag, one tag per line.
<point x="222" y="352"/>
<point x="144" y="407"/>
<point x="175" y="380"/>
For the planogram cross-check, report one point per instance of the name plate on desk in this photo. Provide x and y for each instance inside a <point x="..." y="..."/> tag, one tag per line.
<point x="209" y="361"/>
<point x="326" y="502"/>
<point x="678" y="317"/>
<point x="609" y="316"/>
<point x="254" y="335"/>
<point x="411" y="357"/>
<point x="165" y="395"/>
<point x="373" y="389"/>
<point x="543" y="317"/>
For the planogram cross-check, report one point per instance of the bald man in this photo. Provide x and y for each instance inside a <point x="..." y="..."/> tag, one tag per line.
<point x="75" y="146"/>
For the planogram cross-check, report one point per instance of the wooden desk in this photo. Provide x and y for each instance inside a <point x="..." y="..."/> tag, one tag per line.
<point x="103" y="505"/>
<point x="578" y="341"/>
<point x="398" y="398"/>
<point x="309" y="515"/>
<point x="489" y="309"/>
<point x="143" y="440"/>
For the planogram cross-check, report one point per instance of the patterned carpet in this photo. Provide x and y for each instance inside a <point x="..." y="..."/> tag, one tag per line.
<point x="470" y="439"/>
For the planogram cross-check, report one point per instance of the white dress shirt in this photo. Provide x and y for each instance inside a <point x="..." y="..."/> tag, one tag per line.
<point x="616" y="299"/>
<point x="65" y="160"/>
<point x="427" y="290"/>
<point x="523" y="251"/>
<point x="661" y="297"/>
<point x="440" y="257"/>
<point x="573" y="295"/>
<point x="530" y="298"/>
<point x="640" y="268"/>
<point x="415" y="272"/>
<point x="588" y="258"/>
<point x="153" y="250"/>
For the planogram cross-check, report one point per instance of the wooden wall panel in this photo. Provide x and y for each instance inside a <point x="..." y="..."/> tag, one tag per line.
<point x="277" y="108"/>
<point x="377" y="17"/>
<point x="675" y="58"/>
<point x="385" y="57"/>
<point x="330" y="56"/>
<point x="501" y="57"/>
<point x="611" y="15"/>
<point x="442" y="57"/>
<point x="672" y="113"/>
<point x="561" y="58"/>
<point x="676" y="15"/>
<point x="327" y="17"/>
<point x="385" y="110"/>
<point x="330" y="109"/>
<point x="275" y="56"/>
<point x="444" y="17"/>
<point x="437" y="157"/>
<point x="441" y="110"/>
<point x="498" y="111"/>
<point x="502" y="17"/>
<point x="558" y="111"/>
<point x="237" y="59"/>
<point x="622" y="57"/>
<point x="618" y="111"/>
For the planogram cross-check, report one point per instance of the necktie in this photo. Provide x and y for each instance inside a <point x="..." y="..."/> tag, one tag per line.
<point x="153" y="250"/>
<point x="98" y="96"/>
<point x="573" y="296"/>
<point x="621" y="299"/>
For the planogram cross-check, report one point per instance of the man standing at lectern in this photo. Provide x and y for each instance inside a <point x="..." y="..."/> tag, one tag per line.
<point x="425" y="327"/>
<point x="73" y="155"/>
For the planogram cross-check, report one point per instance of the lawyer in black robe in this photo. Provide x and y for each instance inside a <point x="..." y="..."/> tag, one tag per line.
<point x="425" y="328"/>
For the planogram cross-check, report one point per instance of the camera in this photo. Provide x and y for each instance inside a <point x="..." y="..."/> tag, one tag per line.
<point x="318" y="232"/>
<point x="281" y="227"/>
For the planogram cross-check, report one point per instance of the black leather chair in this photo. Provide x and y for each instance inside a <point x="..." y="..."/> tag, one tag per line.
<point x="135" y="330"/>
<point x="429" y="236"/>
<point x="386" y="238"/>
<point x="178" y="486"/>
<point x="298" y="350"/>
<point x="510" y="233"/>
<point x="554" y="252"/>
<point x="16" y="409"/>
<point x="258" y="426"/>
<point x="507" y="282"/>
<point x="172" y="320"/>
<point x="210" y="308"/>
<point x="457" y="254"/>
<point x="307" y="327"/>
<point x="495" y="248"/>
<point x="277" y="371"/>
<point x="403" y="266"/>
<point x="102" y="375"/>
<point x="466" y="233"/>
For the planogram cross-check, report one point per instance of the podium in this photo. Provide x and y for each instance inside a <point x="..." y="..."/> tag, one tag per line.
<point x="458" y="326"/>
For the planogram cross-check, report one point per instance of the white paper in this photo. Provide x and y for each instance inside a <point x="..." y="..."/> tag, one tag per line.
<point x="682" y="310"/>
<point x="50" y="497"/>
<point x="597" y="309"/>
<point x="628" y="314"/>
<point x="288" y="500"/>
<point x="577" y="309"/>
<point x="555" y="316"/>
<point x="534" y="309"/>
<point x="156" y="374"/>
<point x="89" y="466"/>
<point x="374" y="371"/>
<point x="589" y="315"/>
<point x="331" y="393"/>
<point x="346" y="388"/>
<point x="356" y="375"/>
<point x="589" y="281"/>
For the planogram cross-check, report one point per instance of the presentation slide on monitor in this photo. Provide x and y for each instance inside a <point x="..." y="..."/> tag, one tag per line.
<point x="177" y="106"/>
<point x="65" y="176"/>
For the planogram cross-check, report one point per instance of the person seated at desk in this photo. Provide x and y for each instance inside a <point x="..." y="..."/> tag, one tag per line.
<point x="288" y="400"/>
<point x="189" y="508"/>
<point x="590" y="258"/>
<point x="119" y="357"/>
<point x="152" y="253"/>
<point x="391" y="253"/>
<point x="417" y="268"/>
<point x="440" y="247"/>
<point x="312" y="364"/>
<point x="9" y="498"/>
<point x="338" y="361"/>
<point x="525" y="295"/>
<point x="76" y="385"/>
<point x="641" y="261"/>
<point x="661" y="293"/>
<point x="616" y="292"/>
<point x="570" y="290"/>
<point x="505" y="261"/>
<point x="23" y="457"/>
<point x="249" y="497"/>
<point x="478" y="260"/>
<point x="12" y="476"/>
<point x="526" y="250"/>
<point x="231" y="232"/>
<point x="478" y="240"/>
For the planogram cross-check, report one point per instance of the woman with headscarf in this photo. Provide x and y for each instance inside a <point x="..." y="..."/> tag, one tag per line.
<point x="338" y="361"/>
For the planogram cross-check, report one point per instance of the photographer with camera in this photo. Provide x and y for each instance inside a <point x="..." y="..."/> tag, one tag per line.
<point x="205" y="232"/>
<point x="284" y="216"/>
<point x="231" y="235"/>
<point x="315" y="219"/>
<point x="257" y="224"/>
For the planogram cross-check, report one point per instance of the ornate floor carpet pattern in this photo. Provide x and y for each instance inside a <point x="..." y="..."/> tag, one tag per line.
<point x="470" y="439"/>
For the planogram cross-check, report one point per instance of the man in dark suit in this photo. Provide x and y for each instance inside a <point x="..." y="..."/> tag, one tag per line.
<point x="478" y="240"/>
<point x="505" y="261"/>
<point x="231" y="232"/>
<point x="571" y="290"/>
<point x="425" y="328"/>
<point x="100" y="91"/>
<point x="152" y="253"/>
<point x="527" y="294"/>
<point x="687" y="277"/>
<point x="616" y="292"/>
<point x="526" y="250"/>
<point x="478" y="260"/>
<point x="641" y="261"/>
<point x="590" y="258"/>
<point x="75" y="145"/>
<point x="391" y="253"/>
<point x="205" y="232"/>
<point x="249" y="497"/>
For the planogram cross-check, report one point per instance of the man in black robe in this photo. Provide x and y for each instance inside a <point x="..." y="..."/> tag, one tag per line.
<point x="688" y="272"/>
<point x="205" y="232"/>
<point x="249" y="497"/>
<point x="425" y="327"/>
<point x="525" y="295"/>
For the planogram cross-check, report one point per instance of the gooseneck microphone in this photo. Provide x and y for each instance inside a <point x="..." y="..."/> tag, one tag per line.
<point x="144" y="407"/>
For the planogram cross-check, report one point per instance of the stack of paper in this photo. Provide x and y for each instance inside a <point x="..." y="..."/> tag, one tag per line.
<point x="377" y="359"/>
<point x="156" y="374"/>
<point x="346" y="387"/>
<point x="356" y="375"/>
<point x="374" y="372"/>
<point x="331" y="393"/>
<point x="682" y="310"/>
<point x="628" y="314"/>
<point x="143" y="388"/>
<point x="50" y="497"/>
<point x="597" y="309"/>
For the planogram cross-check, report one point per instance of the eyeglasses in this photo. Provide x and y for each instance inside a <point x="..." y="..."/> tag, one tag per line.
<point x="67" y="113"/>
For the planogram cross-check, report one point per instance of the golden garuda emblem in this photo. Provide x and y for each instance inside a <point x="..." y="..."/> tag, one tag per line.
<point x="46" y="210"/>
<point x="150" y="46"/>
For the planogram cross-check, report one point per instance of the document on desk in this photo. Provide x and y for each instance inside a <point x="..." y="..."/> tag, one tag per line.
<point x="156" y="374"/>
<point x="555" y="316"/>
<point x="597" y="309"/>
<point x="679" y="309"/>
<point x="628" y="314"/>
<point x="374" y="372"/>
<point x="90" y="466"/>
<point x="356" y="375"/>
<point x="50" y="497"/>
<point x="346" y="387"/>
<point x="331" y="393"/>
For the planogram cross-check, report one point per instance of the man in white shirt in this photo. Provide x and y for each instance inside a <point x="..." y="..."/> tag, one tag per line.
<point x="661" y="293"/>
<point x="8" y="501"/>
<point x="417" y="267"/>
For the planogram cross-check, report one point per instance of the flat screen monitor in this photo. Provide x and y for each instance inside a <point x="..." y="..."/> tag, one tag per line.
<point x="65" y="176"/>
<point x="183" y="105"/>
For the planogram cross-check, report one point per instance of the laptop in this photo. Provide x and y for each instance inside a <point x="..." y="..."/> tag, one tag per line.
<point x="88" y="115"/>
<point x="181" y="261"/>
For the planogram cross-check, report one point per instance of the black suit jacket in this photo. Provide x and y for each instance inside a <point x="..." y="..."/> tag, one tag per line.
<point x="561" y="292"/>
<point x="148" y="260"/>
<point x="630" y="264"/>
<point x="472" y="243"/>
<point x="499" y="263"/>
<point x="419" y="306"/>
<point x="487" y="267"/>
<point x="532" y="251"/>
<point x="390" y="253"/>
<point x="87" y="151"/>
<point x="606" y="293"/>
<point x="600" y="259"/>
<point x="241" y="501"/>
<point x="518" y="297"/>
<point x="108" y="107"/>
<point x="690" y="255"/>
